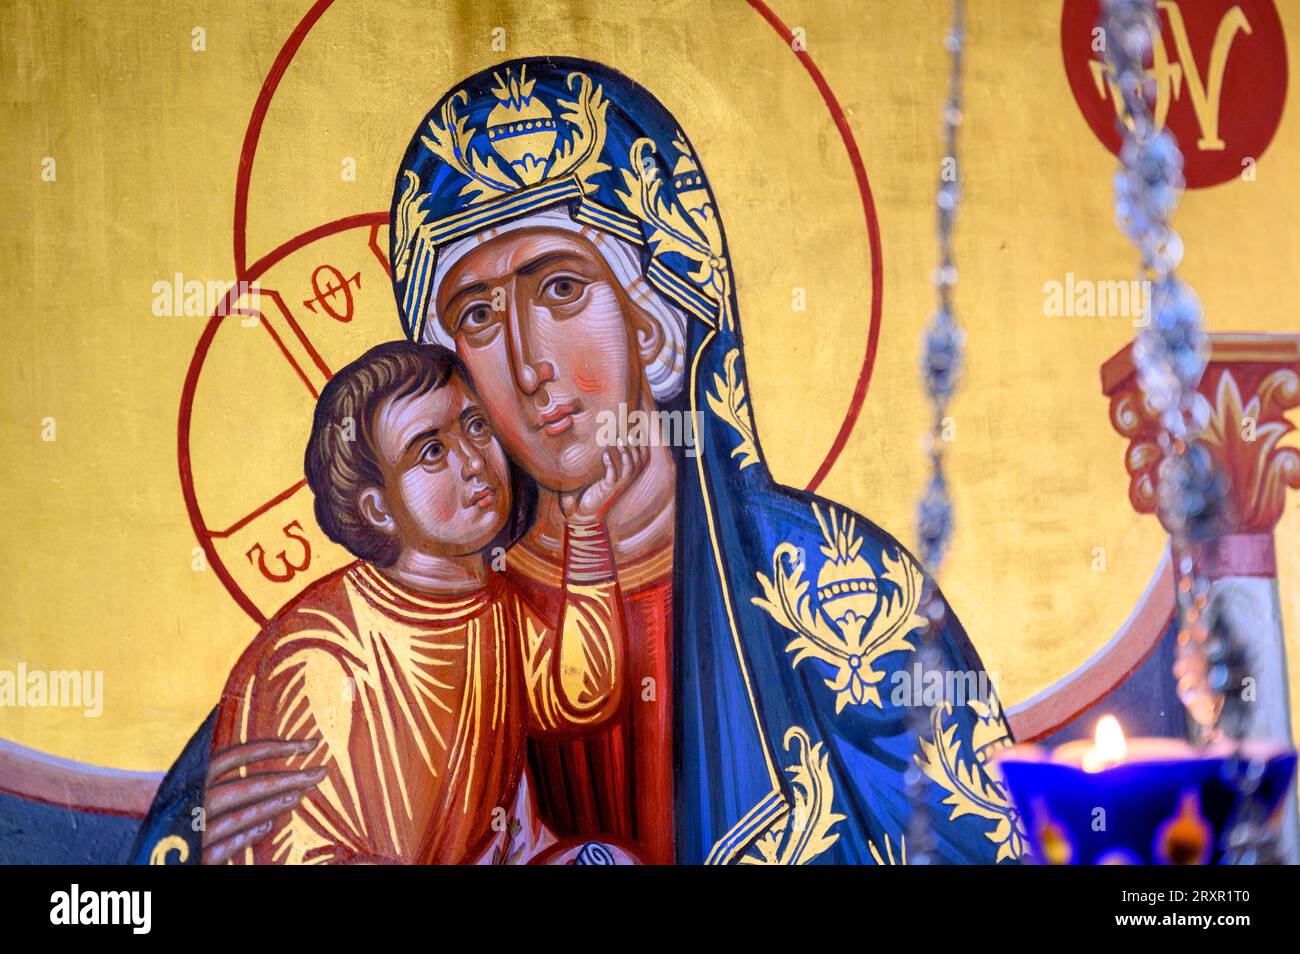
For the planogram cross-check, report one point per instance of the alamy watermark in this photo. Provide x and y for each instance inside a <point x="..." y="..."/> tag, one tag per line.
<point x="131" y="909"/>
<point x="190" y="298"/>
<point x="1084" y="298"/>
<point x="659" y="428"/>
<point x="959" y="687"/>
<point x="64" y="689"/>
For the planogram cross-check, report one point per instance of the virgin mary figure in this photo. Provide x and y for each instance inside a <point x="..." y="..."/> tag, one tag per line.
<point x="553" y="225"/>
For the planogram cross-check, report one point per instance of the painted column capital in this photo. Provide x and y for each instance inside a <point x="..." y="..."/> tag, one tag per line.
<point x="1250" y="383"/>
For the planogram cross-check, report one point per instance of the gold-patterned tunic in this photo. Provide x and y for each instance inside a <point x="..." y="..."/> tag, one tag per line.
<point x="422" y="704"/>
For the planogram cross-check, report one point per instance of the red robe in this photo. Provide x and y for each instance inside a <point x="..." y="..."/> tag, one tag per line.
<point x="617" y="780"/>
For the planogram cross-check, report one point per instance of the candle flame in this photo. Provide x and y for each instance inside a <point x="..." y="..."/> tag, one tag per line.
<point x="1108" y="747"/>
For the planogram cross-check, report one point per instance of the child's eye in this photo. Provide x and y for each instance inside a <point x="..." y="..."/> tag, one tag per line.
<point x="477" y="427"/>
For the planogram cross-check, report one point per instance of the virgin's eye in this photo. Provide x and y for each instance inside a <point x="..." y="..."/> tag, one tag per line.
<point x="563" y="289"/>
<point x="476" y="317"/>
<point x="478" y="428"/>
<point x="432" y="453"/>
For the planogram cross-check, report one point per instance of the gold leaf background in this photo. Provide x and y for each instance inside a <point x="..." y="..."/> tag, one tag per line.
<point x="97" y="548"/>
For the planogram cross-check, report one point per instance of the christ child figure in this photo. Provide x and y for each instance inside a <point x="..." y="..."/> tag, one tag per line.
<point x="418" y="669"/>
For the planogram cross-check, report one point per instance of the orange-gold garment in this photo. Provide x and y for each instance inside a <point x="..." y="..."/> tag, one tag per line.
<point x="421" y="704"/>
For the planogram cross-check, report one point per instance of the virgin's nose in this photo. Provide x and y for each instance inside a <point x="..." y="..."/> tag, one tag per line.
<point x="531" y="370"/>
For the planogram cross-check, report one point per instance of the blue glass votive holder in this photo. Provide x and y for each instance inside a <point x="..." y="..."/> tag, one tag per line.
<point x="1162" y="802"/>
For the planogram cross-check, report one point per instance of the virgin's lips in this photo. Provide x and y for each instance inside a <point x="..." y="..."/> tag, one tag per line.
<point x="557" y="419"/>
<point x="484" y="498"/>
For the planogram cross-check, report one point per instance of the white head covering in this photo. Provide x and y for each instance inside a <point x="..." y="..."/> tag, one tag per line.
<point x="665" y="371"/>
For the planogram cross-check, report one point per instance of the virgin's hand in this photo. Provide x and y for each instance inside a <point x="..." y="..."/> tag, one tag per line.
<point x="240" y="812"/>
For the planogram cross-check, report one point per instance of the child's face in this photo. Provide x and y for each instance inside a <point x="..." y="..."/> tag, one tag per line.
<point x="446" y="484"/>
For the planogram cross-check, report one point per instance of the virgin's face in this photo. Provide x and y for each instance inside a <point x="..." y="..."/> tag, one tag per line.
<point x="550" y="339"/>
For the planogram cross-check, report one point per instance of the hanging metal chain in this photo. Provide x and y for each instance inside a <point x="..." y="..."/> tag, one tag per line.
<point x="1170" y="357"/>
<point x="941" y="368"/>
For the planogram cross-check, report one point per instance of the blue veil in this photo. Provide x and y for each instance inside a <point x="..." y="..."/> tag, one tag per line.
<point x="795" y="620"/>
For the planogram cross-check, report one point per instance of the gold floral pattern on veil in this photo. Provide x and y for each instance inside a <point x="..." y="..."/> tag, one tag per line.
<point x="411" y="224"/>
<point x="971" y="786"/>
<point x="523" y="132"/>
<point x="887" y="857"/>
<point x="728" y="402"/>
<point x="858" y="617"/>
<point x="686" y="224"/>
<point x="803" y="831"/>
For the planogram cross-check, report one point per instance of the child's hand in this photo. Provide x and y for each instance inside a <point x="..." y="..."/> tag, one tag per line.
<point x="622" y="465"/>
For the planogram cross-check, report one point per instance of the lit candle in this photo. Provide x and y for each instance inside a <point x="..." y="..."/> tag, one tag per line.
<point x="1110" y="799"/>
<point x="1108" y="747"/>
